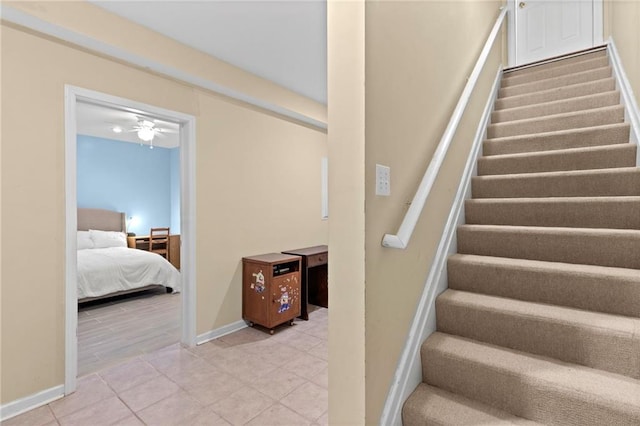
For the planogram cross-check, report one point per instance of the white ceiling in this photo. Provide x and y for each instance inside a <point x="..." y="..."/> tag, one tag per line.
<point x="99" y="121"/>
<point x="282" y="41"/>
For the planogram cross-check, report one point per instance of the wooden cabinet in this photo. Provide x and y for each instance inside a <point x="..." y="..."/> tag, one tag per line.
<point x="270" y="289"/>
<point x="315" y="283"/>
<point x="141" y="242"/>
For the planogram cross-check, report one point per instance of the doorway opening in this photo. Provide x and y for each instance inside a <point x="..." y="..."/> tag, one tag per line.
<point x="150" y="125"/>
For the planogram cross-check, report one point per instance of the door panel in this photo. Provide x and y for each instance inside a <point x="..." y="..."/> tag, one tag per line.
<point x="546" y="28"/>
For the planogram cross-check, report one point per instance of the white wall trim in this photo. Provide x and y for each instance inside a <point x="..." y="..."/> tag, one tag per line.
<point x="188" y="224"/>
<point x="221" y="331"/>
<point x="631" y="110"/>
<point x="598" y="29"/>
<point x="22" y="405"/>
<point x="324" y="188"/>
<point x="409" y="370"/>
<point x="23" y="19"/>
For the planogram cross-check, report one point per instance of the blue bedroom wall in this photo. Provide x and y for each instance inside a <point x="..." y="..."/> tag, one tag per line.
<point x="131" y="178"/>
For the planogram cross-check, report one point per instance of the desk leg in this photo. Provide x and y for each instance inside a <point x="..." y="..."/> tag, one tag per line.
<point x="304" y="313"/>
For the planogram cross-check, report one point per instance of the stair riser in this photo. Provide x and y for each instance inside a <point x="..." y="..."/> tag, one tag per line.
<point x="575" y="120"/>
<point x="610" y="349"/>
<point x="535" y="75"/>
<point x="618" y="295"/>
<point x="559" y="107"/>
<point x="552" y="83"/>
<point x="433" y="406"/>
<point x="535" y="399"/>
<point x="587" y="184"/>
<point x="556" y="64"/>
<point x="580" y="138"/>
<point x="605" y="158"/>
<point x="556" y="94"/>
<point x="610" y="214"/>
<point x="605" y="250"/>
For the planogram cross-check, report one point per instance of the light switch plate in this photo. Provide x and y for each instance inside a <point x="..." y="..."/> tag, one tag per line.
<point x="383" y="180"/>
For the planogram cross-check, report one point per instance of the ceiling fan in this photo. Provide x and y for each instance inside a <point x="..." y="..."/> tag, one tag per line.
<point x="146" y="130"/>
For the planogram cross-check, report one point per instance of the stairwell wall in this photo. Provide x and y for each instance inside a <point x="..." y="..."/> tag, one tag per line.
<point x="621" y="19"/>
<point x="418" y="58"/>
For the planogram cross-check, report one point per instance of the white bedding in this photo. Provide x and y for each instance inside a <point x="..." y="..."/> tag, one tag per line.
<point x="107" y="270"/>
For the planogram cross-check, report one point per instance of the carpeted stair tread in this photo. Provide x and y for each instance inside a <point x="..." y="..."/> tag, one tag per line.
<point x="592" y="339"/>
<point x="570" y="120"/>
<point x="561" y="69"/>
<point x="433" y="406"/>
<point x="564" y="139"/>
<point x="560" y="62"/>
<point x="616" y="182"/>
<point x="553" y="82"/>
<point x="541" y="319"/>
<point x="580" y="103"/>
<point x="592" y="246"/>
<point x="573" y="90"/>
<point x="590" y="287"/>
<point x="530" y="386"/>
<point x="570" y="212"/>
<point x="589" y="158"/>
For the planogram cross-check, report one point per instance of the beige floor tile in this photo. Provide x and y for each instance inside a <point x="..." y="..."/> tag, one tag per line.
<point x="142" y="396"/>
<point x="210" y="388"/>
<point x="184" y="372"/>
<point x="279" y="415"/>
<point x="321" y="351"/>
<point x="244" y="336"/>
<point x="38" y="417"/>
<point x="242" y="406"/>
<point x="129" y="374"/>
<point x="210" y="347"/>
<point x="172" y="410"/>
<point x="307" y="366"/>
<point x="308" y="400"/>
<point x="106" y="412"/>
<point x="303" y="342"/>
<point x="277" y="383"/>
<point x="276" y="353"/>
<point x="324" y="420"/>
<point x="175" y="359"/>
<point x="322" y="378"/>
<point x="90" y="390"/>
<point x="320" y="331"/>
<point x="129" y="421"/>
<point x="207" y="418"/>
<point x="242" y="365"/>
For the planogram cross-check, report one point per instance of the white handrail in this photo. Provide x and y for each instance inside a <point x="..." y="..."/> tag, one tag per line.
<point x="401" y="239"/>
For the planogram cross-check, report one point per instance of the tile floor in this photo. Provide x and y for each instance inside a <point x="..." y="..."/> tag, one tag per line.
<point x="116" y="329"/>
<point x="245" y="378"/>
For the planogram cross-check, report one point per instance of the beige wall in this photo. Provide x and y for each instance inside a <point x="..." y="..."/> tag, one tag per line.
<point x="418" y="57"/>
<point x="243" y="156"/>
<point x="85" y="19"/>
<point x="346" y="54"/>
<point x="621" y="23"/>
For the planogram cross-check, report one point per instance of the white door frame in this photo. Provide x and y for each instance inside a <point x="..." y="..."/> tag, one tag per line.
<point x="187" y="216"/>
<point x="598" y="27"/>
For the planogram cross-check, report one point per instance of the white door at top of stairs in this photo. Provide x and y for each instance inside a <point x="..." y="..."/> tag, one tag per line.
<point x="547" y="28"/>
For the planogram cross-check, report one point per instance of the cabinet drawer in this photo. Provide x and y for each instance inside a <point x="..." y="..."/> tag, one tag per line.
<point x="317" y="259"/>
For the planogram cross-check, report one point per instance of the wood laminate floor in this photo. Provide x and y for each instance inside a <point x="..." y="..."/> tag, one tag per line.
<point x="126" y="326"/>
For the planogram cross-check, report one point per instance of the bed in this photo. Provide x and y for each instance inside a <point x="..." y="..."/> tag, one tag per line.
<point x="107" y="267"/>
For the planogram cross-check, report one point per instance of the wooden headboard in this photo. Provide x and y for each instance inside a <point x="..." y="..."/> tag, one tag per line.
<point x="103" y="220"/>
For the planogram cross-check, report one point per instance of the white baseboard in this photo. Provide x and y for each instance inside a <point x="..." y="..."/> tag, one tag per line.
<point x="631" y="110"/>
<point x="221" y="331"/>
<point x="409" y="370"/>
<point x="22" y="405"/>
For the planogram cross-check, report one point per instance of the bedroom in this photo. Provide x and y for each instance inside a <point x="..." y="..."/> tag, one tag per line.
<point x="119" y="315"/>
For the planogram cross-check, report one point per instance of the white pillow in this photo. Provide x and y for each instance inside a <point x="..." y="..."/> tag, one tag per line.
<point x="106" y="239"/>
<point x="85" y="241"/>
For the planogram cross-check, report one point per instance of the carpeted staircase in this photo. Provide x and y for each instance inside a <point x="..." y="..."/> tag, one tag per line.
<point x="541" y="321"/>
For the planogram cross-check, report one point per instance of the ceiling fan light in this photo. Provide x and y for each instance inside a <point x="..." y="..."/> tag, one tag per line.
<point x="146" y="134"/>
<point x="116" y="129"/>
